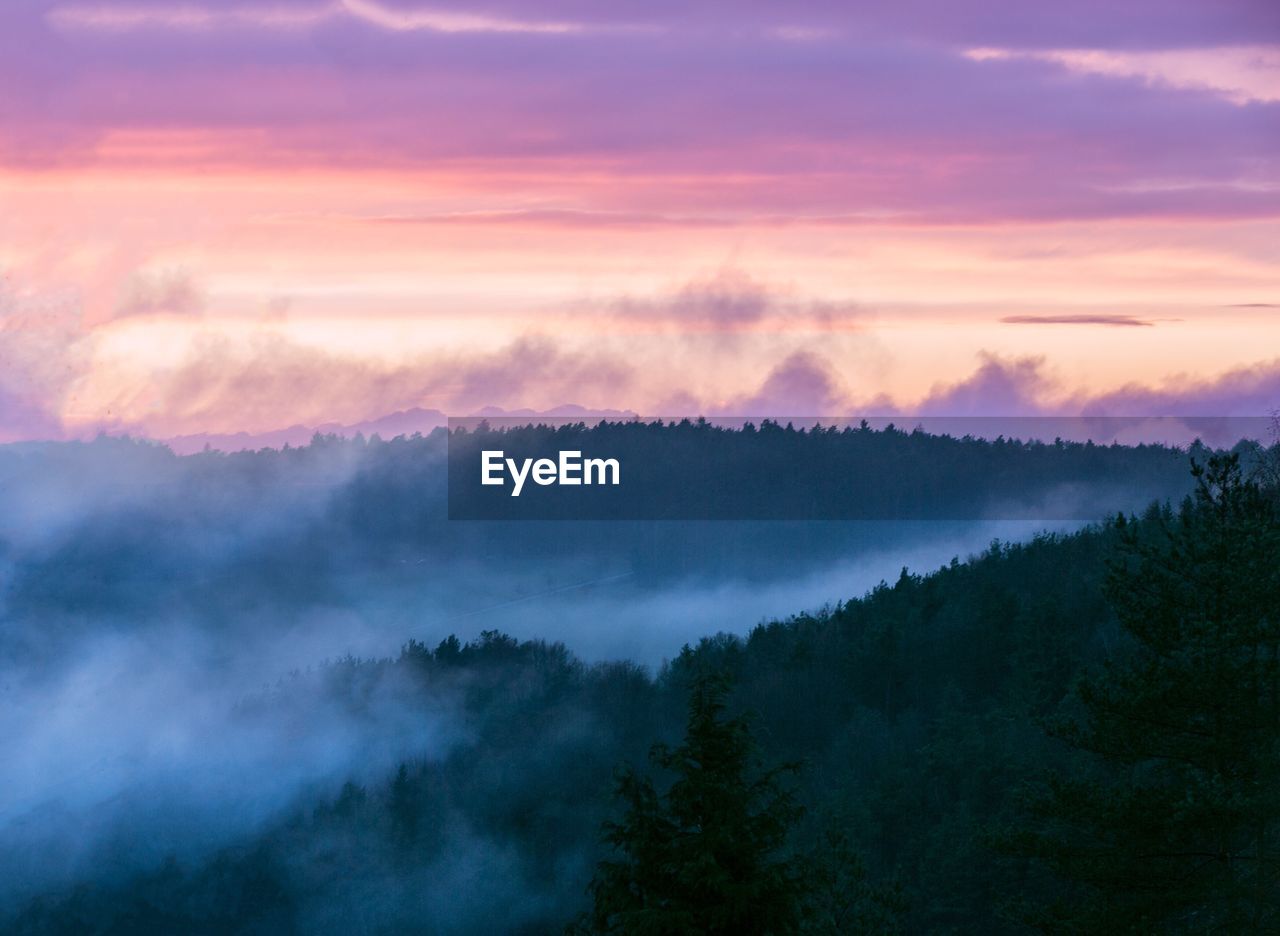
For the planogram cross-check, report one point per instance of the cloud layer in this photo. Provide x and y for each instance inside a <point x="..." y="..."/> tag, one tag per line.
<point x="821" y="109"/>
<point x="311" y="211"/>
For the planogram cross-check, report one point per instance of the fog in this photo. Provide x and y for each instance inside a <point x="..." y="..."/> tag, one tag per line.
<point x="174" y="631"/>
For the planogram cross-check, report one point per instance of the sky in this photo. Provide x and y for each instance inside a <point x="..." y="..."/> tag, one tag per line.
<point x="222" y="216"/>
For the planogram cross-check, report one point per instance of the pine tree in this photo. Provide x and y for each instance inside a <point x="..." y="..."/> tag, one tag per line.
<point x="707" y="856"/>
<point x="1174" y="824"/>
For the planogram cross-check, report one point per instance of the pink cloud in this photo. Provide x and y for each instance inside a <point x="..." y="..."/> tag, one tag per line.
<point x="166" y="293"/>
<point x="43" y="350"/>
<point x="271" y="382"/>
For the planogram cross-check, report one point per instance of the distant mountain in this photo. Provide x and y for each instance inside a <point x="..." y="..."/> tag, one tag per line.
<point x="401" y="422"/>
<point x="568" y="410"/>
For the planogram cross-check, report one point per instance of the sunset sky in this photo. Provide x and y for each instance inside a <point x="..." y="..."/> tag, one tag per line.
<point x="229" y="216"/>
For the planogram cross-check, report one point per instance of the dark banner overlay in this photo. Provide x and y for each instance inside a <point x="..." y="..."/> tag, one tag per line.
<point x="811" y="468"/>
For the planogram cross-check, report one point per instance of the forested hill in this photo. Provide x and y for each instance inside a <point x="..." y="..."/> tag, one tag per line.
<point x="914" y="710"/>
<point x="789" y="473"/>
<point x="460" y="785"/>
<point x="116" y="513"/>
<point x="115" y="532"/>
<point x="692" y="470"/>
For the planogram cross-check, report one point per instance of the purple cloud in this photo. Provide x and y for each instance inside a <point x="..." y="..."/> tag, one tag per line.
<point x="1244" y="391"/>
<point x="1021" y="387"/>
<point x="879" y="115"/>
<point x="728" y="302"/>
<point x="998" y="387"/>
<point x="804" y="384"/>
<point x="1124" y="321"/>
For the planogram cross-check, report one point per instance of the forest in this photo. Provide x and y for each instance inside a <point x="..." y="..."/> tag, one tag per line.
<point x="775" y="471"/>
<point x="1073" y="732"/>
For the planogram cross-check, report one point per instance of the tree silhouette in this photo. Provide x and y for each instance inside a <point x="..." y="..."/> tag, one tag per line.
<point x="1179" y="828"/>
<point x="707" y="856"/>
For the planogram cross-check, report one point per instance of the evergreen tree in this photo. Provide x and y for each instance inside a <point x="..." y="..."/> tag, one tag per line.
<point x="1177" y="828"/>
<point x="707" y="856"/>
<point x="840" y="898"/>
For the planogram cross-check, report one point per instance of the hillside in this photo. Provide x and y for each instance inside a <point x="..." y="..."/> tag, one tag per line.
<point x="167" y="777"/>
<point x="913" y="708"/>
